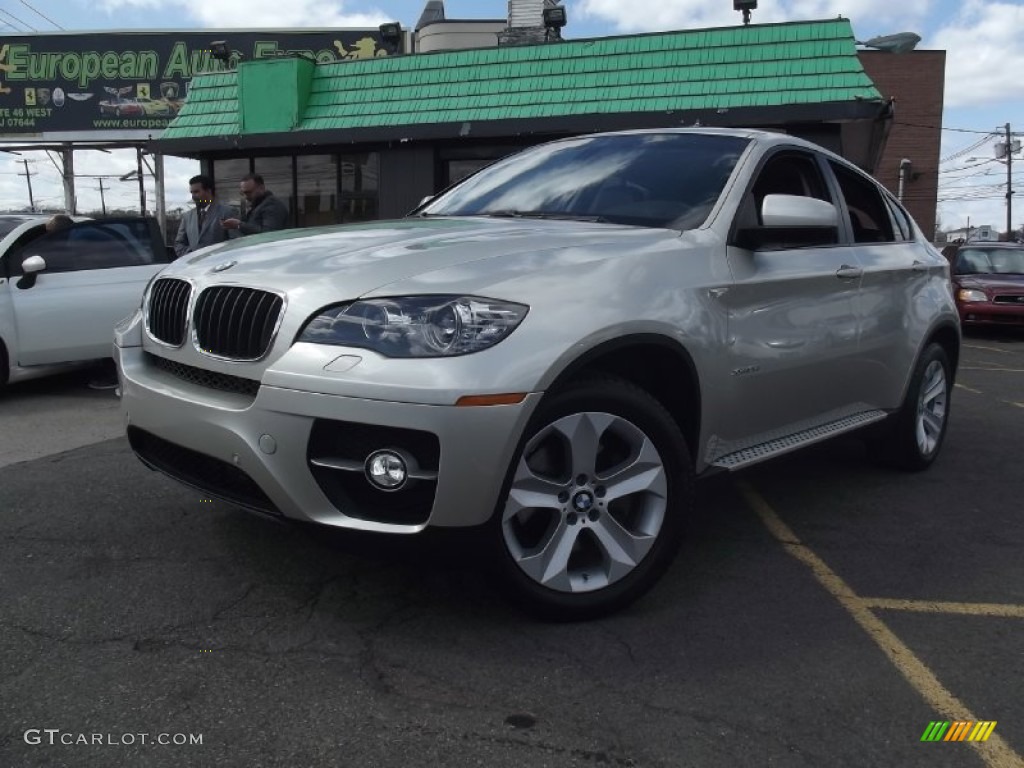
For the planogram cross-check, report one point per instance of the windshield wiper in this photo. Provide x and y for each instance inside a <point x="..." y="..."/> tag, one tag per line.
<point x="556" y="216"/>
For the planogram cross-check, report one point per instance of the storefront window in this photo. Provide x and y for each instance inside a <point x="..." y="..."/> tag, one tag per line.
<point x="359" y="185"/>
<point x="460" y="169"/>
<point x="226" y="175"/>
<point x="277" y="175"/>
<point x="317" y="191"/>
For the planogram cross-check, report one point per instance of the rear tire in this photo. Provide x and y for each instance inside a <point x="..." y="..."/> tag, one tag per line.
<point x="592" y="509"/>
<point x="912" y="439"/>
<point x="5" y="367"/>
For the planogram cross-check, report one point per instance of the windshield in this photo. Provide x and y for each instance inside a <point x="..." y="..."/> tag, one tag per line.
<point x="10" y="223"/>
<point x="648" y="180"/>
<point x="990" y="261"/>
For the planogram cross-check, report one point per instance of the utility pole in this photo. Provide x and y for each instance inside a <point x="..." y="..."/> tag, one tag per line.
<point x="1006" y="150"/>
<point x="1009" y="182"/>
<point x="103" y="201"/>
<point x="28" y="177"/>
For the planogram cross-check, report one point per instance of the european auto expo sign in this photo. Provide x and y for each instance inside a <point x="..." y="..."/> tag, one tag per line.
<point x="136" y="81"/>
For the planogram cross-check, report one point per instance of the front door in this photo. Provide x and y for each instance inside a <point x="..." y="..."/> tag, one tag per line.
<point x="792" y="318"/>
<point x="95" y="274"/>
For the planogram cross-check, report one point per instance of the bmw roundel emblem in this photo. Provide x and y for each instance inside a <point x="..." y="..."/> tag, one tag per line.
<point x="225" y="266"/>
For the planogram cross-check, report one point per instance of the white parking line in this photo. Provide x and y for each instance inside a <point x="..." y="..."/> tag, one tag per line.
<point x="995" y="752"/>
<point x="988" y="349"/>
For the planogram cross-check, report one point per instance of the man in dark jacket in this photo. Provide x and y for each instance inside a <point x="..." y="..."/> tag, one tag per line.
<point x="266" y="212"/>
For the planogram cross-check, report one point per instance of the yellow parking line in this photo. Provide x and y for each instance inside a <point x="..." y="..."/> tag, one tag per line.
<point x="1003" y="610"/>
<point x="995" y="752"/>
<point x="961" y="386"/>
<point x="1011" y="402"/>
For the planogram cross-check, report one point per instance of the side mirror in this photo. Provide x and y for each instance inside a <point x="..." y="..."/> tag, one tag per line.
<point x="33" y="264"/>
<point x="794" y="211"/>
<point x="792" y="221"/>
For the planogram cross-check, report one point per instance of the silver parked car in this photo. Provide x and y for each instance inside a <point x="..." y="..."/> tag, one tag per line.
<point x="552" y="350"/>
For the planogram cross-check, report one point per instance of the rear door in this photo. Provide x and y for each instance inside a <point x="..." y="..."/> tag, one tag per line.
<point x="896" y="273"/>
<point x="95" y="274"/>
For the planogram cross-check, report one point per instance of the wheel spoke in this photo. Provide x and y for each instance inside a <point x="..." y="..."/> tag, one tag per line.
<point x="583" y="432"/>
<point x="622" y="549"/>
<point x="549" y="565"/>
<point x="644" y="474"/>
<point x="935" y="387"/>
<point x="932" y="422"/>
<point x="529" y="491"/>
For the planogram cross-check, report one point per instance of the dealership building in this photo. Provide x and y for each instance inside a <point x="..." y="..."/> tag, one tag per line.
<point x="353" y="125"/>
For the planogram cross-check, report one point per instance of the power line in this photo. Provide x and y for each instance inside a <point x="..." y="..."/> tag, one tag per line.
<point x="965" y="150"/>
<point x="944" y="128"/>
<point x="37" y="12"/>
<point x="24" y="24"/>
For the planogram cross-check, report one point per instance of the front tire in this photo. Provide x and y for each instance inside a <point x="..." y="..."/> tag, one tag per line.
<point x="916" y="433"/>
<point x="594" y="501"/>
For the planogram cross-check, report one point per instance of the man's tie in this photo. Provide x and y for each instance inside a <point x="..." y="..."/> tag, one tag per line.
<point x="201" y="212"/>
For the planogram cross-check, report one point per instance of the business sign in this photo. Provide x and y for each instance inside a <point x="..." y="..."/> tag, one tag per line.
<point x="132" y="84"/>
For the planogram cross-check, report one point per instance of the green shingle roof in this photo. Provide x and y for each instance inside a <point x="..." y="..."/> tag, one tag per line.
<point x="804" y="63"/>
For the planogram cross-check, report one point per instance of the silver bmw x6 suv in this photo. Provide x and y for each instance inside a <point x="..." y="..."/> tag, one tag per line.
<point x="551" y="350"/>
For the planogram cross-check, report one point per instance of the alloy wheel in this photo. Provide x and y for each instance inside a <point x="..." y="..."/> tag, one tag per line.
<point x="586" y="503"/>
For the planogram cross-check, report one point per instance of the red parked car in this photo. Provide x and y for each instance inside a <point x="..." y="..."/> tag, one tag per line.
<point x="988" y="282"/>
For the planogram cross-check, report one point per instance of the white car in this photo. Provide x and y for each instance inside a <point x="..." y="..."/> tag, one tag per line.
<point x="62" y="293"/>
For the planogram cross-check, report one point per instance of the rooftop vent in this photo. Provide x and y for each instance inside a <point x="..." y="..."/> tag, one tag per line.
<point x="525" y="13"/>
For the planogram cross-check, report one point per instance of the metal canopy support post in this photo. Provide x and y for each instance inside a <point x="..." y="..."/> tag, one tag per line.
<point x="142" y="181"/>
<point x="161" y="201"/>
<point x="67" y="155"/>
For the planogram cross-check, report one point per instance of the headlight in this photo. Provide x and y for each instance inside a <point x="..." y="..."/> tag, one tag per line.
<point x="967" y="295"/>
<point x="416" y="326"/>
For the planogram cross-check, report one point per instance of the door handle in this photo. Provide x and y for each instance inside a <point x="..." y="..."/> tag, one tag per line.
<point x="919" y="266"/>
<point x="846" y="272"/>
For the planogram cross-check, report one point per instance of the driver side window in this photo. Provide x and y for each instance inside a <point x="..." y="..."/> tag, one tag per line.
<point x="789" y="172"/>
<point x="87" y="245"/>
<point x="17" y="252"/>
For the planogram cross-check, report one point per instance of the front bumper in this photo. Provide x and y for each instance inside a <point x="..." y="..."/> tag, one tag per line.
<point x="989" y="313"/>
<point x="257" y="451"/>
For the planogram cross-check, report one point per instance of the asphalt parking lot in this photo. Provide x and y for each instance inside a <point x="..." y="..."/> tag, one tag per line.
<point x="822" y="612"/>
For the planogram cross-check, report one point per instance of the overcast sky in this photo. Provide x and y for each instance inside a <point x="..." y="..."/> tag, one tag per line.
<point x="983" y="40"/>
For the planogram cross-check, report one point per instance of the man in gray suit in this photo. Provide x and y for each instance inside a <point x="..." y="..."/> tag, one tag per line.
<point x="200" y="226"/>
<point x="266" y="212"/>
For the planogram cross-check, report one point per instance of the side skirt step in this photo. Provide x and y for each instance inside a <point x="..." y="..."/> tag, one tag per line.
<point x="797" y="440"/>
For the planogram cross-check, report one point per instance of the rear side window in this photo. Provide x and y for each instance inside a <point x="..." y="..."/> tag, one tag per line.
<point x="904" y="229"/>
<point x="869" y="216"/>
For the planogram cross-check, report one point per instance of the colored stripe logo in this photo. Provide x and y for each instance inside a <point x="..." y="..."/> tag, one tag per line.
<point x="958" y="730"/>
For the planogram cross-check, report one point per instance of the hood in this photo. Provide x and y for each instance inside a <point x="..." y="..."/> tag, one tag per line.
<point x="992" y="282"/>
<point x="333" y="264"/>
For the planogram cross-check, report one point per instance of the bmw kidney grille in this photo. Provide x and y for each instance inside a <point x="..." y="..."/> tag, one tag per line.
<point x="236" y="323"/>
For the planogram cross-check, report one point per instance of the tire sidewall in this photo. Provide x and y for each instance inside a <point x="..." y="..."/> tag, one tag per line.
<point x="633" y="404"/>
<point x="911" y="455"/>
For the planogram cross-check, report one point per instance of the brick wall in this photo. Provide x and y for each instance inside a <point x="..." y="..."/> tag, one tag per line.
<point x="916" y="80"/>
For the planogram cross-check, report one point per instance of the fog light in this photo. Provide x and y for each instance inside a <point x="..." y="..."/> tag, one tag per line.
<point x="387" y="470"/>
